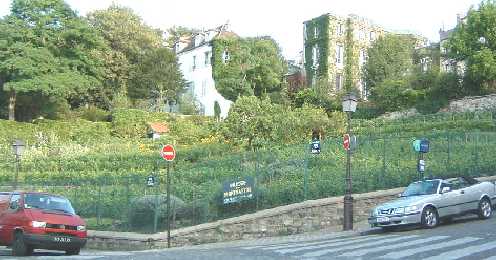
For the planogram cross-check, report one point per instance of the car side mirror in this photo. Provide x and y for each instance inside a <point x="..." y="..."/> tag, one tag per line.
<point x="445" y="190"/>
<point x="14" y="205"/>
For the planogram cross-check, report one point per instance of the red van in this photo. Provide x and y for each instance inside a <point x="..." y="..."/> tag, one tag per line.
<point x="30" y="220"/>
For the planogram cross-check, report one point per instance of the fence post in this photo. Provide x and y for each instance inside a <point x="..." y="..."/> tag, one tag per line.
<point x="305" y="177"/>
<point x="383" y="160"/>
<point x="128" y="199"/>
<point x="98" y="205"/>
<point x="448" y="159"/>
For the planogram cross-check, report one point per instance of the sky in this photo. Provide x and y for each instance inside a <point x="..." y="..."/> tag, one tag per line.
<point x="283" y="19"/>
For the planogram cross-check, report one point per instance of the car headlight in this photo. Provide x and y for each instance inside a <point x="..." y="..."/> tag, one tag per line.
<point x="38" y="224"/>
<point x="81" y="228"/>
<point x="411" y="209"/>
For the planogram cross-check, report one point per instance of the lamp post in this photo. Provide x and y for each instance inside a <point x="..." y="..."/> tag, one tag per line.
<point x="17" y="149"/>
<point x="349" y="106"/>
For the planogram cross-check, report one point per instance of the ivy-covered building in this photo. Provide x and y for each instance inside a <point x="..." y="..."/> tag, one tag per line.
<point x="335" y="49"/>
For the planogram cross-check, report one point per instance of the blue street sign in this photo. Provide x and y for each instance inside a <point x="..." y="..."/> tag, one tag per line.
<point x="424" y="146"/>
<point x="421" y="146"/>
<point x="315" y="147"/>
<point x="150" y="181"/>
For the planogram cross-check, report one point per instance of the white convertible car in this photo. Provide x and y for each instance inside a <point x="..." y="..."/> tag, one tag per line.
<point x="426" y="202"/>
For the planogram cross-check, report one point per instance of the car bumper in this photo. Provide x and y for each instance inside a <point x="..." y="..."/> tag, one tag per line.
<point x="54" y="242"/>
<point x="395" y="220"/>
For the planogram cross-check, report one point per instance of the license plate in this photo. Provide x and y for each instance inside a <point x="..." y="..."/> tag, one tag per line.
<point x="382" y="219"/>
<point x="62" y="239"/>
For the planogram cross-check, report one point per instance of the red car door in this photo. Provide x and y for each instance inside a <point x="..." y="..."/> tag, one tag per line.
<point x="11" y="218"/>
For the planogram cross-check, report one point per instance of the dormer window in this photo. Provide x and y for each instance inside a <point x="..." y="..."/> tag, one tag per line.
<point x="226" y="56"/>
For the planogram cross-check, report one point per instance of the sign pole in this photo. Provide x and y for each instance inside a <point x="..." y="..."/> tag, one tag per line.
<point x="168" y="153"/>
<point x="168" y="205"/>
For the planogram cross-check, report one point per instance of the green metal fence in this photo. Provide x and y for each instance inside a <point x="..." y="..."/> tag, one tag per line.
<point x="121" y="200"/>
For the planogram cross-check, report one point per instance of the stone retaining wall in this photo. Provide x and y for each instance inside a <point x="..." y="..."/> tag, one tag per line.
<point x="296" y="218"/>
<point x="472" y="104"/>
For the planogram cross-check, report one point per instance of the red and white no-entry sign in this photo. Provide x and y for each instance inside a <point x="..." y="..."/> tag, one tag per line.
<point x="346" y="142"/>
<point x="168" y="152"/>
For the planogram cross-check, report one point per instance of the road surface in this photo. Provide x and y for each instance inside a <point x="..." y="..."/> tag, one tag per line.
<point x="466" y="238"/>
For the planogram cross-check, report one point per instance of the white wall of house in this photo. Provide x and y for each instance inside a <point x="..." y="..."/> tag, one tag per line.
<point x="196" y="66"/>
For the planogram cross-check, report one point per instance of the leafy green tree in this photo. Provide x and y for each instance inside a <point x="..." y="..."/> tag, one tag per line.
<point x="474" y="42"/>
<point x="254" y="66"/>
<point x="386" y="72"/>
<point x="45" y="48"/>
<point x="389" y="58"/>
<point x="158" y="76"/>
<point x="129" y="39"/>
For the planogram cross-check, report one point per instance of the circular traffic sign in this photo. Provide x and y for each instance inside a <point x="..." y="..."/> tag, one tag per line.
<point x="168" y="152"/>
<point x="346" y="142"/>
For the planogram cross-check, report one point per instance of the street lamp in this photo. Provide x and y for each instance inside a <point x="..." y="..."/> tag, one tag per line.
<point x="349" y="106"/>
<point x="17" y="149"/>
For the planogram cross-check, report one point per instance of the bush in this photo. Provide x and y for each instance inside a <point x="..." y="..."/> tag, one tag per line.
<point x="132" y="123"/>
<point x="93" y="113"/>
<point x="143" y="210"/>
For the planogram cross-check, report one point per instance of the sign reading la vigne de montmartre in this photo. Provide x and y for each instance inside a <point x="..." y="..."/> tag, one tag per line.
<point x="236" y="191"/>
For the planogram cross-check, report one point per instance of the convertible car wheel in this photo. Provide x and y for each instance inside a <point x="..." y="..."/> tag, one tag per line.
<point x="430" y="219"/>
<point x="485" y="210"/>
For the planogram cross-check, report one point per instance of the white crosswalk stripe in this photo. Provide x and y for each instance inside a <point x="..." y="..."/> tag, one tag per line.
<point x="385" y="247"/>
<point x="293" y="250"/>
<point x="327" y="242"/>
<point x="466" y="251"/>
<point x="410" y="252"/>
<point x="352" y="247"/>
<point x="363" y="252"/>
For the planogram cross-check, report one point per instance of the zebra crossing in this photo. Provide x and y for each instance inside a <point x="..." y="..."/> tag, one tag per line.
<point x="391" y="246"/>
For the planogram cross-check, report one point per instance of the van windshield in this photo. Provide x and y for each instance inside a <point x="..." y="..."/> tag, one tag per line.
<point x="48" y="202"/>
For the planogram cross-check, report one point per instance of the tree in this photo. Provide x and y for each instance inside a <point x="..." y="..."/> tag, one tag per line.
<point x="254" y="66"/>
<point x="386" y="72"/>
<point x="158" y="76"/>
<point x="47" y="49"/>
<point x="474" y="43"/>
<point x="129" y="39"/>
<point x="389" y="57"/>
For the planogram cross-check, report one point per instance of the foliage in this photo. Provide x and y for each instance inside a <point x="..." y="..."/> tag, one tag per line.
<point x="254" y="122"/>
<point x="394" y="95"/>
<point x="255" y="66"/>
<point x="133" y="123"/>
<point x="133" y="44"/>
<point x="188" y="104"/>
<point x="474" y="43"/>
<point x="47" y="49"/>
<point x="321" y="24"/>
<point x="158" y="76"/>
<point x="217" y="111"/>
<point x="350" y="58"/>
<point x="389" y="58"/>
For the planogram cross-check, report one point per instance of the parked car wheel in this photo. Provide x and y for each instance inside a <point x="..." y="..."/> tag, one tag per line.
<point x="74" y="251"/>
<point x="485" y="210"/>
<point x="430" y="218"/>
<point x="19" y="247"/>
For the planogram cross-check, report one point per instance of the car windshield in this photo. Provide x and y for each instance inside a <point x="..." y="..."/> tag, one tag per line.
<point x="48" y="202"/>
<point x="421" y="188"/>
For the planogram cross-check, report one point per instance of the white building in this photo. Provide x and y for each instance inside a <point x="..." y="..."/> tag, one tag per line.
<point x="195" y="60"/>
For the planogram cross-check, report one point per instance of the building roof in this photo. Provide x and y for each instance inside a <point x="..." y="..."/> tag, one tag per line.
<point x="158" y="127"/>
<point x="207" y="37"/>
